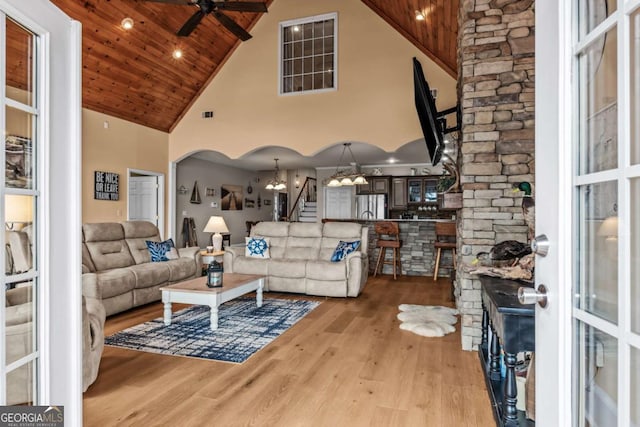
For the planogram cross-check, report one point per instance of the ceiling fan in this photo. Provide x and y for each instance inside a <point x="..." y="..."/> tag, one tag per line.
<point x="215" y="7"/>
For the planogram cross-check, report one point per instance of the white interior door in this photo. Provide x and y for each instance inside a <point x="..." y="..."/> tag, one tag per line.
<point x="338" y="202"/>
<point x="143" y="199"/>
<point x="588" y="172"/>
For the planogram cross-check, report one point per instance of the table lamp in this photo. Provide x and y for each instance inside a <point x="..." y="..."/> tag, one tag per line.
<point x="216" y="225"/>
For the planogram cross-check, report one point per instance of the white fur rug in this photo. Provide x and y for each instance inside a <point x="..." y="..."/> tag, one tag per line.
<point x="427" y="320"/>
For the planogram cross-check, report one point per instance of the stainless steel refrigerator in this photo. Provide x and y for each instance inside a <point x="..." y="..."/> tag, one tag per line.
<point x="372" y="206"/>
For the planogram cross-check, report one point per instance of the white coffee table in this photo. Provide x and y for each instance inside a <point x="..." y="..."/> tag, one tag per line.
<point x="195" y="291"/>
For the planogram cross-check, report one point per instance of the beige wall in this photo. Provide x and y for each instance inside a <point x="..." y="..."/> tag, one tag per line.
<point x="120" y="146"/>
<point x="374" y="101"/>
<point x="214" y="176"/>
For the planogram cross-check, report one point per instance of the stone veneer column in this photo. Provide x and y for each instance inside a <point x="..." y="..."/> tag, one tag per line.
<point x="496" y="88"/>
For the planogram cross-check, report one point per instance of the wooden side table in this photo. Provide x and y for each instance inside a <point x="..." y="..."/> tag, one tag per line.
<point x="208" y="257"/>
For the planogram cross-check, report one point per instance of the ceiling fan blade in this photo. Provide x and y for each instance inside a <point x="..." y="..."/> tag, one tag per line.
<point x="179" y="2"/>
<point x="241" y="6"/>
<point x="191" y="24"/>
<point x="230" y="25"/>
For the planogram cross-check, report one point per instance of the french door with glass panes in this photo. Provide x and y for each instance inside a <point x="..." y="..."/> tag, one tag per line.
<point x="20" y="185"/>
<point x="606" y="314"/>
<point x="588" y="173"/>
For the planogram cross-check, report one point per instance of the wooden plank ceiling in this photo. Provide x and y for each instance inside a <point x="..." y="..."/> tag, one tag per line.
<point x="436" y="36"/>
<point x="132" y="74"/>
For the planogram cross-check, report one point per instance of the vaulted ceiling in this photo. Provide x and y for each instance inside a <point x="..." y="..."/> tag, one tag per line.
<point x="133" y="75"/>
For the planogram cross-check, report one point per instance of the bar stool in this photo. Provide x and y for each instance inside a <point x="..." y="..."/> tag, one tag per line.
<point x="391" y="241"/>
<point x="445" y="239"/>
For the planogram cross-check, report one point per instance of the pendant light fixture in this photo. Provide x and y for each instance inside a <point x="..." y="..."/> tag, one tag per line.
<point x="347" y="177"/>
<point x="276" y="184"/>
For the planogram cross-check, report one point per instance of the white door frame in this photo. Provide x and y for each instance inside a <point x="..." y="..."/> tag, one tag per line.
<point x="554" y="194"/>
<point x="171" y="226"/>
<point x="160" y="175"/>
<point x="60" y="301"/>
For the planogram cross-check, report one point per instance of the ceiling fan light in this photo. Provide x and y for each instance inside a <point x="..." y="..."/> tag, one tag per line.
<point x="334" y="183"/>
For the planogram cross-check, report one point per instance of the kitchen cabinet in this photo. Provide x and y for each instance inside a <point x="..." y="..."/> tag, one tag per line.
<point x="422" y="190"/>
<point x="376" y="185"/>
<point x="399" y="193"/>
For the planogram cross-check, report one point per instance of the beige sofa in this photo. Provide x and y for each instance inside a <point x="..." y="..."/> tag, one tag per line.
<point x="300" y="258"/>
<point x="117" y="267"/>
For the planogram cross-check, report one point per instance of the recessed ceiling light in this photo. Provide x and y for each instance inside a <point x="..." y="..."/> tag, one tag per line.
<point x="127" y="23"/>
<point x="419" y="16"/>
<point x="177" y="54"/>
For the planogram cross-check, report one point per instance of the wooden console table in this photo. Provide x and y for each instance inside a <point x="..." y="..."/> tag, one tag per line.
<point x="513" y="325"/>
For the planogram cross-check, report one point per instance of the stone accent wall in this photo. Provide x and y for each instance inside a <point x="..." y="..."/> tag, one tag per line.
<point x="417" y="253"/>
<point x="496" y="89"/>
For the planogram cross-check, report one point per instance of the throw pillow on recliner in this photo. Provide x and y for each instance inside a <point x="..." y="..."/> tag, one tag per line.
<point x="343" y="249"/>
<point x="161" y="251"/>
<point x="257" y="247"/>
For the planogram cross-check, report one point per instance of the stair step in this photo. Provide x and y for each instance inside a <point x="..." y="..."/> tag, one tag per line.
<point x="307" y="219"/>
<point x="308" y="214"/>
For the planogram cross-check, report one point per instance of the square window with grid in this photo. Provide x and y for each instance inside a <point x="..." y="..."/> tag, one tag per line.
<point x="308" y="54"/>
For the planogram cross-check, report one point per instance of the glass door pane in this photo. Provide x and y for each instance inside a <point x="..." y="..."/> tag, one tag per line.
<point x="634" y="263"/>
<point x="593" y="12"/>
<point x="634" y="32"/>
<point x="415" y="190"/>
<point x="19" y="338"/>
<point x="597" y="356"/>
<point x="597" y="278"/>
<point x="19" y="165"/>
<point x="19" y="68"/>
<point x="598" y="105"/>
<point x="635" y="386"/>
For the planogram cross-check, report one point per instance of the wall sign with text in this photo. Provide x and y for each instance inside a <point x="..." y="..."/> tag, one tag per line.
<point x="106" y="185"/>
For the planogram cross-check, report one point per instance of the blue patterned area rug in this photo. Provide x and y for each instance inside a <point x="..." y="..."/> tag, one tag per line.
<point x="243" y="329"/>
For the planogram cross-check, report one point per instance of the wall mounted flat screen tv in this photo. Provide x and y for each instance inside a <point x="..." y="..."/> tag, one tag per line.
<point x="432" y="122"/>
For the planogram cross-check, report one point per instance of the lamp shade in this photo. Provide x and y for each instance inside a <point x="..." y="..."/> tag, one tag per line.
<point x="216" y="224"/>
<point x="18" y="208"/>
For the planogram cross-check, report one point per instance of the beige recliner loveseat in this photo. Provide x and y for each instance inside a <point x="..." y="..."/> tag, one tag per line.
<point x="117" y="267"/>
<point x="300" y="258"/>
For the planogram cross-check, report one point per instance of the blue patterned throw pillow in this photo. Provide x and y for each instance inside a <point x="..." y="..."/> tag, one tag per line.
<point x="257" y="247"/>
<point x="343" y="249"/>
<point x="159" y="250"/>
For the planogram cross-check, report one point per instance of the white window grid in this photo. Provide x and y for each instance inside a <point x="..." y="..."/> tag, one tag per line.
<point x="308" y="52"/>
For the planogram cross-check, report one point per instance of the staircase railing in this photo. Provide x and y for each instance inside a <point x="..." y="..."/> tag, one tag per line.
<point x="310" y="196"/>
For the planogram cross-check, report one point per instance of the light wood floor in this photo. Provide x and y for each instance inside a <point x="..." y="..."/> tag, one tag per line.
<point x="345" y="364"/>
